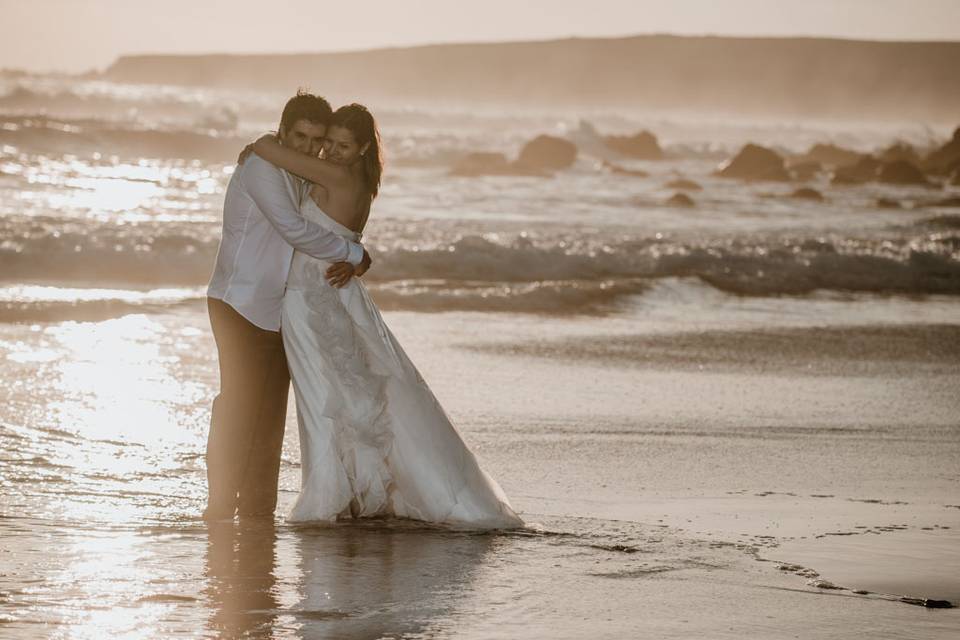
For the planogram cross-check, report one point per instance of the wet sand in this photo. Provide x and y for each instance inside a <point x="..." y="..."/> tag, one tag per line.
<point x="664" y="500"/>
<point x="880" y="350"/>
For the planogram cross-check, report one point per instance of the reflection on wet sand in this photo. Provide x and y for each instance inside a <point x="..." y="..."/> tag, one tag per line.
<point x="241" y="572"/>
<point x="354" y="580"/>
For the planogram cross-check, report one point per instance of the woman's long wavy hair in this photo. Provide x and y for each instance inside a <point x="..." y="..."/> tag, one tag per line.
<point x="359" y="121"/>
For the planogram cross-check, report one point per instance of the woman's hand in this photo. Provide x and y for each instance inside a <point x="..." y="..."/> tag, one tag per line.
<point x="247" y="150"/>
<point x="252" y="147"/>
<point x="268" y="138"/>
<point x="339" y="274"/>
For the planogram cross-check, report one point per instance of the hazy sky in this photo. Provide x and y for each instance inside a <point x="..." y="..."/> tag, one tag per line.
<point x="77" y="35"/>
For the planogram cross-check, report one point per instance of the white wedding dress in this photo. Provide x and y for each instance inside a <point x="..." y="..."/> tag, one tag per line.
<point x="374" y="441"/>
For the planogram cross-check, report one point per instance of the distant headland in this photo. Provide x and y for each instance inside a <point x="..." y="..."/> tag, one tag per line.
<point x="799" y="77"/>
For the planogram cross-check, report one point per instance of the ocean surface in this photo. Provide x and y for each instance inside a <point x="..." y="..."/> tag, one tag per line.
<point x="740" y="417"/>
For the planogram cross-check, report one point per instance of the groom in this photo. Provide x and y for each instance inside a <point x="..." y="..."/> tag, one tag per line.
<point x="261" y="228"/>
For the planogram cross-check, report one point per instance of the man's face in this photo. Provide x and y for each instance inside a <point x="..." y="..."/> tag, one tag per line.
<point x="304" y="136"/>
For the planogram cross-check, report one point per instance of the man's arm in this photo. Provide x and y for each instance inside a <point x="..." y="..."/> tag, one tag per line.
<point x="265" y="185"/>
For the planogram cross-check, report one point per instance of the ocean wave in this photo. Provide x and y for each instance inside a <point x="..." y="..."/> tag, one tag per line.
<point x="213" y="136"/>
<point x="552" y="297"/>
<point x="924" y="264"/>
<point x="131" y="255"/>
<point x="29" y="304"/>
<point x="944" y="221"/>
<point x="494" y="269"/>
<point x="42" y="134"/>
<point x="132" y="102"/>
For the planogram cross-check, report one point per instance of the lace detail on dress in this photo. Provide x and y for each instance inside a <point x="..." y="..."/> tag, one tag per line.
<point x="359" y="411"/>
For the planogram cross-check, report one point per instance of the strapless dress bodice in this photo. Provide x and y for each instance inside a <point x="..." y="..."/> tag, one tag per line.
<point x="307" y="272"/>
<point x="312" y="212"/>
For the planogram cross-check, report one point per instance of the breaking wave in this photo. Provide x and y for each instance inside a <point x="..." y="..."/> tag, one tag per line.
<point x="494" y="272"/>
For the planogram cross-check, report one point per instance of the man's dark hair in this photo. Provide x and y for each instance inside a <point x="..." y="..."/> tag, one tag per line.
<point x="305" y="106"/>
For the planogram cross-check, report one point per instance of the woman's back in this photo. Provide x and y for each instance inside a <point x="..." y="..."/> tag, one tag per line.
<point x="346" y="202"/>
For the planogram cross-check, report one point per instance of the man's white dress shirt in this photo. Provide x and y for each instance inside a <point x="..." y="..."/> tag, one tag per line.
<point x="261" y="228"/>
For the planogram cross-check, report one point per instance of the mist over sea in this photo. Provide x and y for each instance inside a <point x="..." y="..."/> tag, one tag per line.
<point x="753" y="399"/>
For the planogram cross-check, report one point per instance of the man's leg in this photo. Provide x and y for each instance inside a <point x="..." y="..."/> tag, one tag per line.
<point x="258" y="488"/>
<point x="247" y="362"/>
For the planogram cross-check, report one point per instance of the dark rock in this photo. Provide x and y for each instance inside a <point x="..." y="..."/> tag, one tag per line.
<point x="642" y="145"/>
<point x="956" y="179"/>
<point x="820" y="583"/>
<point x="832" y="155"/>
<point x="755" y="163"/>
<point x="680" y="200"/>
<point x="948" y="221"/>
<point x="818" y="246"/>
<point x="947" y="202"/>
<point x="900" y="151"/>
<point x="623" y="171"/>
<point x="684" y="185"/>
<point x="865" y="170"/>
<point x="548" y="152"/>
<point x="887" y="203"/>
<point x="804" y="171"/>
<point x="490" y="164"/>
<point x="902" y="172"/>
<point x="946" y="159"/>
<point x="928" y="603"/>
<point x="806" y="193"/>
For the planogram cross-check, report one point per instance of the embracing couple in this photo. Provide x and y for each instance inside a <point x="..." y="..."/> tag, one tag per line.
<point x="286" y="301"/>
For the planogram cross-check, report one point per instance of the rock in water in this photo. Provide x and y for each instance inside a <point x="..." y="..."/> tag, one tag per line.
<point x="548" y="152"/>
<point x="823" y="584"/>
<point x="946" y="159"/>
<point x="831" y="154"/>
<point x="804" y="171"/>
<point x="642" y="145"/>
<point x="887" y="203"/>
<point x="755" y="163"/>
<point x="806" y="193"/>
<point x="902" y="172"/>
<point x="865" y="170"/>
<point x="900" y="151"/>
<point x="947" y="202"/>
<point x="928" y="602"/>
<point x="680" y="200"/>
<point x="684" y="185"/>
<point x="623" y="171"/>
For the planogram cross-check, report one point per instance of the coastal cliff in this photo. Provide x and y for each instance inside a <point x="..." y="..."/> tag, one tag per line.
<point x="777" y="76"/>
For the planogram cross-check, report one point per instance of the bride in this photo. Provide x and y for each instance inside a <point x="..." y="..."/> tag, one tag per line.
<point x="374" y="441"/>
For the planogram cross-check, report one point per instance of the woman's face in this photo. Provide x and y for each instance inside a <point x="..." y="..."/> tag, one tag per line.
<point x="341" y="146"/>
